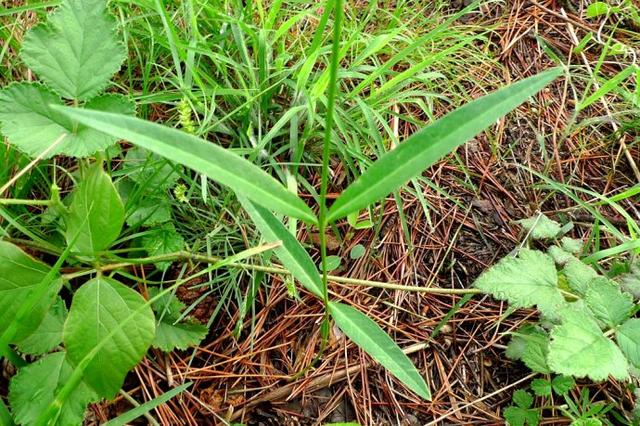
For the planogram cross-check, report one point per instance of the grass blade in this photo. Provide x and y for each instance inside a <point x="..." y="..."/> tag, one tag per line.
<point x="217" y="163"/>
<point x="365" y="333"/>
<point x="292" y="255"/>
<point x="427" y="146"/>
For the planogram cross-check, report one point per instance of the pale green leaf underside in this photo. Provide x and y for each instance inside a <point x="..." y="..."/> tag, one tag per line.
<point x="365" y="333"/>
<point x="98" y="307"/>
<point x="540" y="227"/>
<point x="96" y="213"/>
<point x="34" y="387"/>
<point x="607" y="303"/>
<point x="30" y="124"/>
<point x="181" y="336"/>
<point x="427" y="146"/>
<point x="578" y="348"/>
<point x="217" y="163"/>
<point x="292" y="255"/>
<point x="579" y="275"/>
<point x="76" y="52"/>
<point x="524" y="281"/>
<point x="19" y="275"/>
<point x="628" y="338"/>
<point x="48" y="335"/>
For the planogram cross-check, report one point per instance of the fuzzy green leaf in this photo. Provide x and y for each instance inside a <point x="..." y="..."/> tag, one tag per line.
<point x="541" y="387"/>
<point x="524" y="281"/>
<point x="34" y="387"/>
<point x="161" y="241"/>
<point x="607" y="303"/>
<point x="31" y="125"/>
<point x="19" y="275"/>
<point x="292" y="255"/>
<point x="562" y="384"/>
<point x="572" y="245"/>
<point x="96" y="213"/>
<point x="373" y="340"/>
<point x="628" y="338"/>
<point x="516" y="416"/>
<point x="218" y="163"/>
<point x="579" y="276"/>
<point x="540" y="227"/>
<point x="98" y="307"/>
<point x="76" y="51"/>
<point x="48" y="335"/>
<point x="181" y="335"/>
<point x="578" y="348"/>
<point x="432" y="143"/>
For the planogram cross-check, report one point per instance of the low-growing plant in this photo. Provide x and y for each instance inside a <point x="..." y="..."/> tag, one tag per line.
<point x="85" y="353"/>
<point x="587" y="327"/>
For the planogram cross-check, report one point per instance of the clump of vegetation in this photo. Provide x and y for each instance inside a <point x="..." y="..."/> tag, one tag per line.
<point x="113" y="196"/>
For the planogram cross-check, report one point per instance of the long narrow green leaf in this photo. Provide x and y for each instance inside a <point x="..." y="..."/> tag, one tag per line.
<point x="373" y="340"/>
<point x="292" y="255"/>
<point x="204" y="157"/>
<point x="427" y="146"/>
<point x="142" y="409"/>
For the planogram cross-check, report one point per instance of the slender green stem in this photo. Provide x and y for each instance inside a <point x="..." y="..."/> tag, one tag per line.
<point x="185" y="255"/>
<point x="21" y="202"/>
<point x="326" y="150"/>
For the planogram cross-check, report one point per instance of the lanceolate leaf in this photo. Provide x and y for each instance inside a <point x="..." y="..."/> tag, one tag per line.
<point x="98" y="308"/>
<point x="578" y="348"/>
<point x="20" y="274"/>
<point x="76" y="52"/>
<point x="524" y="281"/>
<point x="373" y="340"/>
<point x="96" y="213"/>
<point x="35" y="386"/>
<point x="292" y="255"/>
<point x="427" y="146"/>
<point x="32" y="126"/>
<point x="204" y="157"/>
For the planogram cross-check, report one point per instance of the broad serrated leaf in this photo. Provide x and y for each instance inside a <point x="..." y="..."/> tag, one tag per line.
<point x="96" y="213"/>
<point x="218" y="163"/>
<point x="522" y="398"/>
<point x="630" y="281"/>
<point x="579" y="276"/>
<point x="365" y="333"/>
<point x="98" y="307"/>
<point x="607" y="303"/>
<point x="292" y="255"/>
<point x="541" y="387"/>
<point x="161" y="241"/>
<point x="516" y="416"/>
<point x="19" y="275"/>
<point x="524" y="281"/>
<point x="536" y="352"/>
<point x="181" y="335"/>
<point x="562" y="384"/>
<point x="34" y="387"/>
<point x="31" y="125"/>
<point x="540" y="227"/>
<point x="559" y="255"/>
<point x="628" y="338"/>
<point x="76" y="51"/>
<point x="572" y="245"/>
<point x="578" y="348"/>
<point x="151" y="171"/>
<point x="48" y="335"/>
<point x="427" y="146"/>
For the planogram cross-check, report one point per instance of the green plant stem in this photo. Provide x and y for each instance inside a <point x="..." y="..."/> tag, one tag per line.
<point x="185" y="255"/>
<point x="21" y="202"/>
<point x="326" y="150"/>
